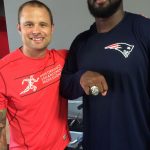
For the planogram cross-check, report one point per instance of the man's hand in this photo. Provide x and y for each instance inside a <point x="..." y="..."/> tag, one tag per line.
<point x="90" y="78"/>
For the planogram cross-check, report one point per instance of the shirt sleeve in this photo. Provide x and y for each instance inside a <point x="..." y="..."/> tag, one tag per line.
<point x="70" y="87"/>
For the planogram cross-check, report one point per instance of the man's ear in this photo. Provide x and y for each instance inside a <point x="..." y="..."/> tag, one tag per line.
<point x="53" y="28"/>
<point x="18" y="28"/>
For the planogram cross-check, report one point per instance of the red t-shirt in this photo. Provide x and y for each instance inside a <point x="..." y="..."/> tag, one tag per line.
<point x="29" y="90"/>
<point x="4" y="47"/>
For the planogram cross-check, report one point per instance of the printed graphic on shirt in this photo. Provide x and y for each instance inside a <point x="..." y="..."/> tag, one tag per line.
<point x="30" y="84"/>
<point x="124" y="48"/>
<point x="38" y="81"/>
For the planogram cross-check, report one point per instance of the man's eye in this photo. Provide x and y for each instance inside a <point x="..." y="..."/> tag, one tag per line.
<point x="43" y="25"/>
<point x="28" y="25"/>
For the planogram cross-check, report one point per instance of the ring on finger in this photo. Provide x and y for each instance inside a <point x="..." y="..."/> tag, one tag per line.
<point x="94" y="90"/>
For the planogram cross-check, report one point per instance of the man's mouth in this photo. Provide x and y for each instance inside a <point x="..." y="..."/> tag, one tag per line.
<point x="37" y="39"/>
<point x="100" y="1"/>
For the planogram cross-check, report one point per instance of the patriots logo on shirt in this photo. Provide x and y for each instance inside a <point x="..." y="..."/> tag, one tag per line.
<point x="124" y="48"/>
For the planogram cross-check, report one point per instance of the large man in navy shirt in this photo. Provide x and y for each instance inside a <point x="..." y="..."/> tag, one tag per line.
<point x="112" y="58"/>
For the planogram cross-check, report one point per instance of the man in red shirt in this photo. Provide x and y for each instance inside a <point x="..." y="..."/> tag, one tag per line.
<point x="29" y="86"/>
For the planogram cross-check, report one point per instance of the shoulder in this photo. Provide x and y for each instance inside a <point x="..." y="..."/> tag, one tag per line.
<point x="139" y="20"/>
<point x="140" y="26"/>
<point x="62" y="53"/>
<point x="82" y="37"/>
<point x="8" y="59"/>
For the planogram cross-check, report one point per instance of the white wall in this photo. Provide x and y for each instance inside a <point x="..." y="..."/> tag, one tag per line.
<point x="70" y="18"/>
<point x="138" y="6"/>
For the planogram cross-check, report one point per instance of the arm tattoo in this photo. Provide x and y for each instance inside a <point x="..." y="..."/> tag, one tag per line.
<point x="3" y="141"/>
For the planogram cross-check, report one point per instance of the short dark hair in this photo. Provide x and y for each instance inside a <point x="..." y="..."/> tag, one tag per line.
<point x="34" y="3"/>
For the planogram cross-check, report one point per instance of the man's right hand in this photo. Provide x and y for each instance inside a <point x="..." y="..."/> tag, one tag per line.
<point x="91" y="78"/>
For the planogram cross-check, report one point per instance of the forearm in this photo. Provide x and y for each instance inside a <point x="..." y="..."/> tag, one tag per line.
<point x="3" y="140"/>
<point x="70" y="86"/>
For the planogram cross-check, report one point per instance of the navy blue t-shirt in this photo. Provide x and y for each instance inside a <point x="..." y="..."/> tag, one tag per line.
<point x="121" y="119"/>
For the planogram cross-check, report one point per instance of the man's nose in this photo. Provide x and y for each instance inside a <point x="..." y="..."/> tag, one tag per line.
<point x="36" y="29"/>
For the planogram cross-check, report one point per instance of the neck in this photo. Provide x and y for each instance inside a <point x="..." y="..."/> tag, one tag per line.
<point x="106" y="24"/>
<point x="33" y="53"/>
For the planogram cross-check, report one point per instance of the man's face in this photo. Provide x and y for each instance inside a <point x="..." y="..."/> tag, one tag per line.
<point x="103" y="8"/>
<point x="35" y="28"/>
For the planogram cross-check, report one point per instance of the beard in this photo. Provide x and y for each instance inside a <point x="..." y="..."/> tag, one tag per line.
<point x="103" y="12"/>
